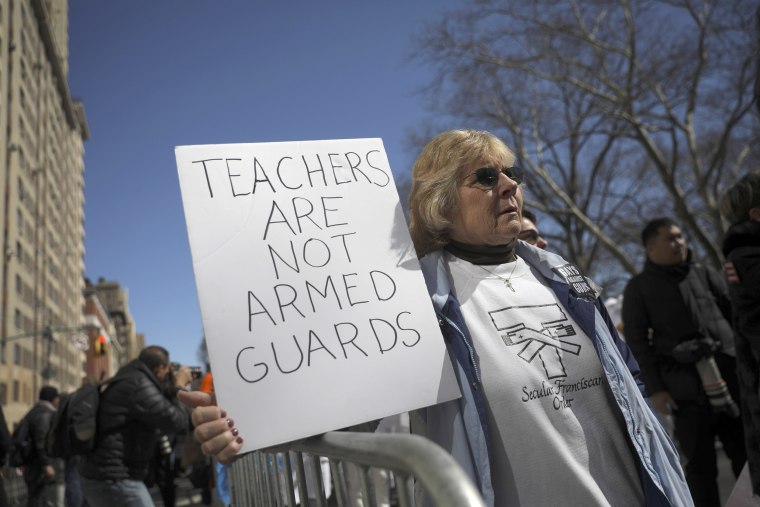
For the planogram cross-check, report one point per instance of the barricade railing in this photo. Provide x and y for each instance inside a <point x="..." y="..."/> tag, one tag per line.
<point x="283" y="476"/>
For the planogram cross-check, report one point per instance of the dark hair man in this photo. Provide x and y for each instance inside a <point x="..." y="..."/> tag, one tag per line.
<point x="43" y="475"/>
<point x="529" y="232"/>
<point x="676" y="316"/>
<point x="133" y="407"/>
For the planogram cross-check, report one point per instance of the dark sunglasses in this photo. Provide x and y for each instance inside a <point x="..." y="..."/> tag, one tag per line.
<point x="489" y="176"/>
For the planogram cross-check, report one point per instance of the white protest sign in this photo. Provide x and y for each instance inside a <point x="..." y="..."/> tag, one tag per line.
<point x="314" y="307"/>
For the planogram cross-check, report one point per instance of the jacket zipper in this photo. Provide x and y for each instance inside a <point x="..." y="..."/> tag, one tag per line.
<point x="469" y="348"/>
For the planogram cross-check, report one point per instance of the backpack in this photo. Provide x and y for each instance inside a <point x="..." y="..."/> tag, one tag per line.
<point x="22" y="446"/>
<point x="74" y="425"/>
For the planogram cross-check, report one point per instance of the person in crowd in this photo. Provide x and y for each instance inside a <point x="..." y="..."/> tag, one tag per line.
<point x="676" y="316"/>
<point x="133" y="409"/>
<point x="5" y="451"/>
<point x="161" y="467"/>
<point x="43" y="474"/>
<point x="74" y="496"/>
<point x="550" y="409"/>
<point x="529" y="231"/>
<point x="740" y="205"/>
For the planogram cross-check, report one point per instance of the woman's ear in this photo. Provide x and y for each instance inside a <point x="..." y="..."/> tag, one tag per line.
<point x="754" y="214"/>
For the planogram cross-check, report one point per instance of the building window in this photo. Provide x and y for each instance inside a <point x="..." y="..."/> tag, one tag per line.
<point x="19" y="220"/>
<point x="3" y="393"/>
<point x="15" y="390"/>
<point x="19" y="288"/>
<point x="16" y="354"/>
<point x="17" y="319"/>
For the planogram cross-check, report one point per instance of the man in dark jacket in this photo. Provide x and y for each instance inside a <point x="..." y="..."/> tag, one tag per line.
<point x="132" y="408"/>
<point x="676" y="317"/>
<point x="43" y="475"/>
<point x="741" y="206"/>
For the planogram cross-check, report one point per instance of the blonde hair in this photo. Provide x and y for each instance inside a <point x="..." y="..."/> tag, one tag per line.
<point x="435" y="177"/>
<point x="740" y="198"/>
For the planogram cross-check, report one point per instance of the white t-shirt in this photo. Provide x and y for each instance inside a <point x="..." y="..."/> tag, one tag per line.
<point x="557" y="437"/>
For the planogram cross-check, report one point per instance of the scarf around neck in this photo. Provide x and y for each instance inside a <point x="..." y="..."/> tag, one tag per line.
<point x="483" y="254"/>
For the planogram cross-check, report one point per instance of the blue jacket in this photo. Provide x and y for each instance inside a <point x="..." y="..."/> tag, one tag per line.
<point x="461" y="426"/>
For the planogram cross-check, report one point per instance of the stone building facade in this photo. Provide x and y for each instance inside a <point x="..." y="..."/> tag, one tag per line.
<point x="41" y="206"/>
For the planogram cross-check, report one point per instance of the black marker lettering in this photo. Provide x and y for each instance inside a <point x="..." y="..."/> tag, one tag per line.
<point x="345" y="247"/>
<point x="270" y="221"/>
<point x="348" y="294"/>
<point x="328" y="282"/>
<point x="230" y="176"/>
<point x="310" y="172"/>
<point x="294" y="294"/>
<point x="313" y="336"/>
<point x="255" y="365"/>
<point x="273" y="252"/>
<point x="385" y="175"/>
<point x="299" y="214"/>
<point x="205" y="170"/>
<point x="279" y="176"/>
<point x="377" y="336"/>
<point x="326" y="209"/>
<point x="388" y="288"/>
<point x="277" y="361"/>
<point x="256" y="180"/>
<point x="351" y="341"/>
<point x="251" y="313"/>
<point x="398" y="323"/>
<point x="334" y="167"/>
<point x="315" y="263"/>
<point x="355" y="167"/>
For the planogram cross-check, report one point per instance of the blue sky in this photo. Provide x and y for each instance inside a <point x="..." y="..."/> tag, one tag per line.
<point x="154" y="75"/>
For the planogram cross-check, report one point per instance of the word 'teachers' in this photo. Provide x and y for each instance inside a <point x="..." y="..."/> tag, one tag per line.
<point x="247" y="176"/>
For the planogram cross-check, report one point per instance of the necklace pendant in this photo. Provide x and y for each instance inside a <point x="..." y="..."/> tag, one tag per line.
<point x="509" y="285"/>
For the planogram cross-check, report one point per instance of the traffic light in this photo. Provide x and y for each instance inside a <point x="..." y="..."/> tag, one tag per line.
<point x="100" y="346"/>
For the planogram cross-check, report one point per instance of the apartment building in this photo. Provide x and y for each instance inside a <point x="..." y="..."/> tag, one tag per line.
<point x="42" y="132"/>
<point x="115" y="299"/>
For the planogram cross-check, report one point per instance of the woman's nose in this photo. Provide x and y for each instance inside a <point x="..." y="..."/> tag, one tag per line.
<point x="507" y="185"/>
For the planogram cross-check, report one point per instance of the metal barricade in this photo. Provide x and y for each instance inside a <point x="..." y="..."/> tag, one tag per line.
<point x="277" y="477"/>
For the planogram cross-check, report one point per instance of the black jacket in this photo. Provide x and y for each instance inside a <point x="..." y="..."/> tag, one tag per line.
<point x="132" y="408"/>
<point x="742" y="248"/>
<point x="677" y="303"/>
<point x="39" y="421"/>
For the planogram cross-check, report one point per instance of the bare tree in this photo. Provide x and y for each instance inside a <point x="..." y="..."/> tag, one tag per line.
<point x="621" y="111"/>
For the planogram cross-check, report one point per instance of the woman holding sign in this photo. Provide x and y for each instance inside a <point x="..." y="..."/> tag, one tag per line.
<point x="551" y="409"/>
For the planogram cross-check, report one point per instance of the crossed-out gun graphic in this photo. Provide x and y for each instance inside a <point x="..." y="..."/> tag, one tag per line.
<point x="542" y="338"/>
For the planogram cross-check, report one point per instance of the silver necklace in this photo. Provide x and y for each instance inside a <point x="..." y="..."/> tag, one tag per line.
<point x="507" y="281"/>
